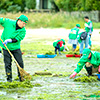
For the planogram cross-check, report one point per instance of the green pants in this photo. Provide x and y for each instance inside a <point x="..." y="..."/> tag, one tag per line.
<point x="8" y="62"/>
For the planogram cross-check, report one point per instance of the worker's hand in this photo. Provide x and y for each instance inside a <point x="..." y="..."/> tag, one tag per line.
<point x="99" y="69"/>
<point x="7" y="41"/>
<point x="86" y="25"/>
<point x="73" y="75"/>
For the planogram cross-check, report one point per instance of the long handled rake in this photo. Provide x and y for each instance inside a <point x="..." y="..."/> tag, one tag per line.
<point x="23" y="73"/>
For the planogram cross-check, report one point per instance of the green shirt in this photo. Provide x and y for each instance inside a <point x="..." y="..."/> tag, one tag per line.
<point x="95" y="61"/>
<point x="90" y="28"/>
<point x="73" y="34"/>
<point x="10" y="32"/>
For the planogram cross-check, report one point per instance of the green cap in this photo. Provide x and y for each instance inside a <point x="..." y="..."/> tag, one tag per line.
<point x="86" y="53"/>
<point x="23" y="18"/>
<point x="78" y="25"/>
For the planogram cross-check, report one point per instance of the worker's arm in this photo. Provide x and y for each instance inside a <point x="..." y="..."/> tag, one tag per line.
<point x="80" y="65"/>
<point x="18" y="35"/>
<point x="9" y="41"/>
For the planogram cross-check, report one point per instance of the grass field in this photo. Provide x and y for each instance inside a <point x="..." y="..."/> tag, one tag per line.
<point x="50" y="20"/>
<point x="57" y="86"/>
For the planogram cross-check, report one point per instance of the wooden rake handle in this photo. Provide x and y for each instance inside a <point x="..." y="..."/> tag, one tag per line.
<point x="11" y="55"/>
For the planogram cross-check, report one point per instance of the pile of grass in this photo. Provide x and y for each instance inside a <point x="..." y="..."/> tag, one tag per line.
<point x="15" y="84"/>
<point x="86" y="79"/>
<point x="49" y="53"/>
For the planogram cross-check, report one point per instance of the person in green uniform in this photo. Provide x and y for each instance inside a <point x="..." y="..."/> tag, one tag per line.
<point x="88" y="29"/>
<point x="73" y="36"/>
<point x="14" y="31"/>
<point x="90" y="60"/>
<point x="59" y="45"/>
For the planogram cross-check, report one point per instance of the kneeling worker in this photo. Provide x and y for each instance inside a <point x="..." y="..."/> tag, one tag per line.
<point x="91" y="61"/>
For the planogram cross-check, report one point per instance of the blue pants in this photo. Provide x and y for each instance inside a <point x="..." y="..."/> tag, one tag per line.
<point x="57" y="48"/>
<point x="90" y="42"/>
<point x="86" y="42"/>
<point x="74" y="46"/>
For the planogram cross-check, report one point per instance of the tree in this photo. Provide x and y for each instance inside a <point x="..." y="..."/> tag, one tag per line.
<point x="66" y="5"/>
<point x="30" y="4"/>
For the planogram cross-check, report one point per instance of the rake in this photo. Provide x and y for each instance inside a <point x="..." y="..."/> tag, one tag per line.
<point x="23" y="73"/>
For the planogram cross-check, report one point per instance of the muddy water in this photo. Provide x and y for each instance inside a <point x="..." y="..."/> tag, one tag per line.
<point x="53" y="88"/>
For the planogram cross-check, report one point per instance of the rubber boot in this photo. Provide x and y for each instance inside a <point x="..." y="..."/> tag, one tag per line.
<point x="9" y="77"/>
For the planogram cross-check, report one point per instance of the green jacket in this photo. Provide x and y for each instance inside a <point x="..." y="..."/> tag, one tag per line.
<point x="95" y="61"/>
<point x="87" y="29"/>
<point x="10" y="32"/>
<point x="73" y="34"/>
<point x="56" y="42"/>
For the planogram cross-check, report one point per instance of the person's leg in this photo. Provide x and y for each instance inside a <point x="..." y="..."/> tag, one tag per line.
<point x="18" y="56"/>
<point x="58" y="47"/>
<point x="88" y="67"/>
<point x="90" y="42"/>
<point x="86" y="42"/>
<point x="55" y="50"/>
<point x="7" y="62"/>
<point x="81" y="47"/>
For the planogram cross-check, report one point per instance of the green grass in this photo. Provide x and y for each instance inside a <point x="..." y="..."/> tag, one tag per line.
<point x="50" y="20"/>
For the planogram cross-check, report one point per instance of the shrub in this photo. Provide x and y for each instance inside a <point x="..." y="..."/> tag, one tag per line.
<point x="14" y="8"/>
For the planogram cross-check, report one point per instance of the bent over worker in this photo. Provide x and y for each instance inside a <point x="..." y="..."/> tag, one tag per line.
<point x="14" y="31"/>
<point x="58" y="45"/>
<point x="90" y="60"/>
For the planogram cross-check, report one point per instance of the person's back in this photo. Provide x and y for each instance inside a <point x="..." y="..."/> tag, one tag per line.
<point x="73" y="36"/>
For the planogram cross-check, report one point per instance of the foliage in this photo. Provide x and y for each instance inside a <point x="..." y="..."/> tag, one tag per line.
<point x="73" y="5"/>
<point x="16" y="5"/>
<point x="30" y="4"/>
<point x="14" y="8"/>
<point x="4" y="4"/>
<point x="67" y="5"/>
<point x="20" y="3"/>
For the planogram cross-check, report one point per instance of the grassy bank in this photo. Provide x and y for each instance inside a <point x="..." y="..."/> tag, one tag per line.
<point x="51" y="20"/>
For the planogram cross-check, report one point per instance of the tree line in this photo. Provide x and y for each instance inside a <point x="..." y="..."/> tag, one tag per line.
<point x="65" y="5"/>
<point x="78" y="5"/>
